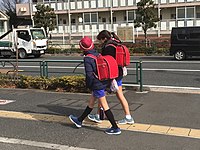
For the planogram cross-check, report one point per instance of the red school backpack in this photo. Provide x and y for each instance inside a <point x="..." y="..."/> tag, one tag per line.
<point x="107" y="67"/>
<point x="122" y="54"/>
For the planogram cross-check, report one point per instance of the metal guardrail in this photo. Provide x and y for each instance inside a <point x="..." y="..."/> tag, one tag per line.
<point x="44" y="69"/>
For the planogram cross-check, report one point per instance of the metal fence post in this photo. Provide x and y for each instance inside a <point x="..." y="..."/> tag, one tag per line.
<point x="41" y="69"/>
<point x="137" y="80"/>
<point x="141" y="84"/>
<point x="46" y="69"/>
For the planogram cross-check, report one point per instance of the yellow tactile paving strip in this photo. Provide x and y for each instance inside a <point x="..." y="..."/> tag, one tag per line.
<point x="148" y="128"/>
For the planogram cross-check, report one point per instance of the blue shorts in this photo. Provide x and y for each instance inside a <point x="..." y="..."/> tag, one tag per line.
<point x="119" y="82"/>
<point x="98" y="93"/>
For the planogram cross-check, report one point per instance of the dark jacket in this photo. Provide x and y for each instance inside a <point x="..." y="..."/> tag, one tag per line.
<point x="90" y="68"/>
<point x="110" y="50"/>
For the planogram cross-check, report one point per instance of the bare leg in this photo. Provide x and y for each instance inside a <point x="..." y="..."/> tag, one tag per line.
<point x="123" y="101"/>
<point x="91" y="101"/>
<point x="103" y="103"/>
<point x="108" y="112"/>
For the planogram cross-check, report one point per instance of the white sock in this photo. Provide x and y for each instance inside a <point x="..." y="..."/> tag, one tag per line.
<point x="128" y="116"/>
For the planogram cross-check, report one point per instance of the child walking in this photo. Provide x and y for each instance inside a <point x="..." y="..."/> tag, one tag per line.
<point x="107" y="39"/>
<point x="96" y="86"/>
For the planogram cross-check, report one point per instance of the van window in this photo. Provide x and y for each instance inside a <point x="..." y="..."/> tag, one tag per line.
<point x="194" y="35"/>
<point x="181" y="36"/>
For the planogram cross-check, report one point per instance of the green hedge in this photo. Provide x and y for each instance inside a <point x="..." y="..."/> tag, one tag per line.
<point x="134" y="48"/>
<point x="66" y="83"/>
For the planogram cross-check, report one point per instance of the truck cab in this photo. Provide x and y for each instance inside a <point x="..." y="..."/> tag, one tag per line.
<point x="28" y="41"/>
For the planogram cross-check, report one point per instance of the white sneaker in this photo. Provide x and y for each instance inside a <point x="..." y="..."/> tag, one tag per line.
<point x="126" y="121"/>
<point x="95" y="118"/>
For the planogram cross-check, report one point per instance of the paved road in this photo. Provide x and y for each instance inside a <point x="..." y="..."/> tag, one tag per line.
<point x="157" y="70"/>
<point x="28" y="121"/>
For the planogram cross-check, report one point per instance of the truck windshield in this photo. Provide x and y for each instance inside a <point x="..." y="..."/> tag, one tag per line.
<point x="38" y="34"/>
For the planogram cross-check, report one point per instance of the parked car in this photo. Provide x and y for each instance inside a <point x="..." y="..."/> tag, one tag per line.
<point x="185" y="42"/>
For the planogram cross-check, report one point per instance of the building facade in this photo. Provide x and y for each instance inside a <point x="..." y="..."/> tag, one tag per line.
<point x="3" y="23"/>
<point x="87" y="17"/>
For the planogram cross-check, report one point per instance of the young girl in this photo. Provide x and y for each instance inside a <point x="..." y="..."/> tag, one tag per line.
<point x="108" y="39"/>
<point x="96" y="86"/>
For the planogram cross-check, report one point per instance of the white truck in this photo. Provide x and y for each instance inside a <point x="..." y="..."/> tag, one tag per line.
<point x="28" y="41"/>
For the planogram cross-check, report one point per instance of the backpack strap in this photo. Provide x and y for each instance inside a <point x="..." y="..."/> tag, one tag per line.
<point x="95" y="58"/>
<point x="91" y="56"/>
<point x="111" y="45"/>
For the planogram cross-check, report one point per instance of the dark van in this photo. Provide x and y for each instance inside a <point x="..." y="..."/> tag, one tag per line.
<point x="185" y="42"/>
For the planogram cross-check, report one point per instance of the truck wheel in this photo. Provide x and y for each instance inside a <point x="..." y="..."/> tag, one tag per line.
<point x="22" y="54"/>
<point x="179" y="55"/>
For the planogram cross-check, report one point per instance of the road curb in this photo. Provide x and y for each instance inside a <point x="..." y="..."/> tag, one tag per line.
<point x="170" y="89"/>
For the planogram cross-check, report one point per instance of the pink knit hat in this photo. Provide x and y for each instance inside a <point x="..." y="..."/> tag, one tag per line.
<point x="86" y="44"/>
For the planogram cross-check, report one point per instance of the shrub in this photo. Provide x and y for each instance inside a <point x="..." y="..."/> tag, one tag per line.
<point x="65" y="83"/>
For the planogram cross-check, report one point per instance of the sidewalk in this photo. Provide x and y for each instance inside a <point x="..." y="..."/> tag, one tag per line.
<point x="160" y="108"/>
<point x="157" y="113"/>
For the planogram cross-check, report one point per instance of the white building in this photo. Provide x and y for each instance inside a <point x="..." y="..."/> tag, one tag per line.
<point x="88" y="17"/>
<point x="3" y="23"/>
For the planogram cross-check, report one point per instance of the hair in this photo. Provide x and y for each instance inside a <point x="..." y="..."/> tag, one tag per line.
<point x="105" y="34"/>
<point x="115" y="37"/>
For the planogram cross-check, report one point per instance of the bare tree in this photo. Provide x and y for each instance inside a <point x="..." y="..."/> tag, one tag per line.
<point x="9" y="7"/>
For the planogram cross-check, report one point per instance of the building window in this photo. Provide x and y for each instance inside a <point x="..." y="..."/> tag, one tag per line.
<point x="173" y="16"/>
<point x="103" y="19"/>
<point x="64" y="21"/>
<point x="181" y="13"/>
<point x="185" y="13"/>
<point x="114" y="19"/>
<point x="198" y="15"/>
<point x="1" y="26"/>
<point x="130" y="16"/>
<point x="190" y="12"/>
<point x="73" y="21"/>
<point x="90" y="17"/>
<point x="94" y="18"/>
<point x="87" y="18"/>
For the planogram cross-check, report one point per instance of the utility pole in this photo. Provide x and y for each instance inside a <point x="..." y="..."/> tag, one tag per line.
<point x="31" y="12"/>
<point x="159" y="25"/>
<point x="69" y="18"/>
<point x="111" y="15"/>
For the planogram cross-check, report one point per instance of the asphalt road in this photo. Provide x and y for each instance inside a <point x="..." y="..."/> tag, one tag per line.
<point x="157" y="70"/>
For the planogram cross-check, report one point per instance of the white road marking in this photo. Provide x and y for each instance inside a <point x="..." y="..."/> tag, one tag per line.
<point x="4" y="102"/>
<point x="176" y="70"/>
<point x="170" y="87"/>
<point x="144" y="69"/>
<point x="39" y="144"/>
<point x="176" y="62"/>
<point x="176" y="89"/>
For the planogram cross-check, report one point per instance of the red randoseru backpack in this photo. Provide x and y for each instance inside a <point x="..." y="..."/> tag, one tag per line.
<point x="107" y="67"/>
<point x="122" y="54"/>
